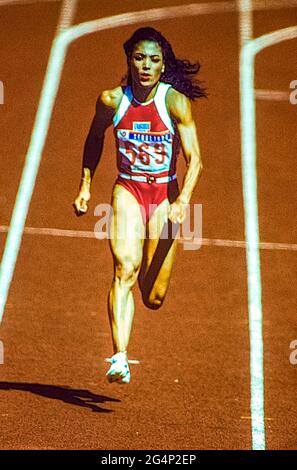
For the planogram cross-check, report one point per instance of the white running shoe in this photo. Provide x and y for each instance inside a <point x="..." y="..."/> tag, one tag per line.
<point x="119" y="370"/>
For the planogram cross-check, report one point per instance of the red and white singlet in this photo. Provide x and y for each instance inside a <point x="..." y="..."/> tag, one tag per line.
<point x="145" y="135"/>
<point x="147" y="148"/>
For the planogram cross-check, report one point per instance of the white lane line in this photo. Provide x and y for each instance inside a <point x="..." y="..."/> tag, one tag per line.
<point x="248" y="129"/>
<point x="228" y="6"/>
<point x="55" y="232"/>
<point x="245" y="21"/>
<point x="273" y="4"/>
<point x="154" y="14"/>
<point x="33" y="157"/>
<point x="243" y="244"/>
<point x="67" y="14"/>
<point x="249" y="186"/>
<point x="24" y="2"/>
<point x="271" y="39"/>
<point x="130" y="361"/>
<point x="272" y="95"/>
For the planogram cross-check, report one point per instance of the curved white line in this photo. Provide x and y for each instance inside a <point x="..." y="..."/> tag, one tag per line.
<point x="33" y="157"/>
<point x="257" y="4"/>
<point x="153" y="14"/>
<point x="248" y="131"/>
<point x="270" y="39"/>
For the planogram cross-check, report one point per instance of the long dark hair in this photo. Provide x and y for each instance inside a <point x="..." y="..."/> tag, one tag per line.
<point x="178" y="73"/>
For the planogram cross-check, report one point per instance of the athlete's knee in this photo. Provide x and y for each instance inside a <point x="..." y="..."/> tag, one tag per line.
<point x="126" y="273"/>
<point x="153" y="301"/>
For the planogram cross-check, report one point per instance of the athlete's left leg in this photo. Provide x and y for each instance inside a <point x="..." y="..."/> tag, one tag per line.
<point x="158" y="257"/>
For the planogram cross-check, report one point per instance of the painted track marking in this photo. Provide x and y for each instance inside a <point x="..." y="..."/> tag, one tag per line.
<point x="33" y="157"/>
<point x="249" y="48"/>
<point x="56" y="232"/>
<point x="18" y="226"/>
<point x="250" y="199"/>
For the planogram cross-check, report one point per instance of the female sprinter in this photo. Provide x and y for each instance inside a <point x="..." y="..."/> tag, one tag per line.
<point x="151" y="116"/>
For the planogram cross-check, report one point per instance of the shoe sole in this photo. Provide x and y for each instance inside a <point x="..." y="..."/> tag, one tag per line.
<point x="116" y="378"/>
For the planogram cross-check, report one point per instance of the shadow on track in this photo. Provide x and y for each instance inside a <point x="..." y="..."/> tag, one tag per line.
<point x="77" y="397"/>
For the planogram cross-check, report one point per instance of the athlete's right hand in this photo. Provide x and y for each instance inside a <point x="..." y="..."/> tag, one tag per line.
<point x="80" y="203"/>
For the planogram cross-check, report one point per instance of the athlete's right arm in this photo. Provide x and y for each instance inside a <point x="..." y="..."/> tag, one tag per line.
<point x="106" y="106"/>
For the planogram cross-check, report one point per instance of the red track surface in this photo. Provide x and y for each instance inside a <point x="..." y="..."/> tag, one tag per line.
<point x="191" y="389"/>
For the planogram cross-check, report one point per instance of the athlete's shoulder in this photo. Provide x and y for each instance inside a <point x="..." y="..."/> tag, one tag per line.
<point x="178" y="104"/>
<point x="176" y="97"/>
<point x="111" y="98"/>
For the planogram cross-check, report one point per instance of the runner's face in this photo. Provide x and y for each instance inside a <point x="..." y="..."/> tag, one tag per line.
<point x="147" y="63"/>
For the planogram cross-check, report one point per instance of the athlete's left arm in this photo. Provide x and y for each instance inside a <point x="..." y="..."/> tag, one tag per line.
<point x="179" y="107"/>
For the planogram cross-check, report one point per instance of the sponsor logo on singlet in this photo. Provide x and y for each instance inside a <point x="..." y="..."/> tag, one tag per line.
<point x="151" y="138"/>
<point x="141" y="126"/>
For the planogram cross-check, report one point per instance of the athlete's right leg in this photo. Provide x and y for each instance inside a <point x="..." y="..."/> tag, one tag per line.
<point x="126" y="242"/>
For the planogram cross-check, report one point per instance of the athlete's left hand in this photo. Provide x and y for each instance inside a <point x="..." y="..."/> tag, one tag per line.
<point x="177" y="212"/>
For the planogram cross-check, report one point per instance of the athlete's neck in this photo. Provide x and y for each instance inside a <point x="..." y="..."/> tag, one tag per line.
<point x="144" y="94"/>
